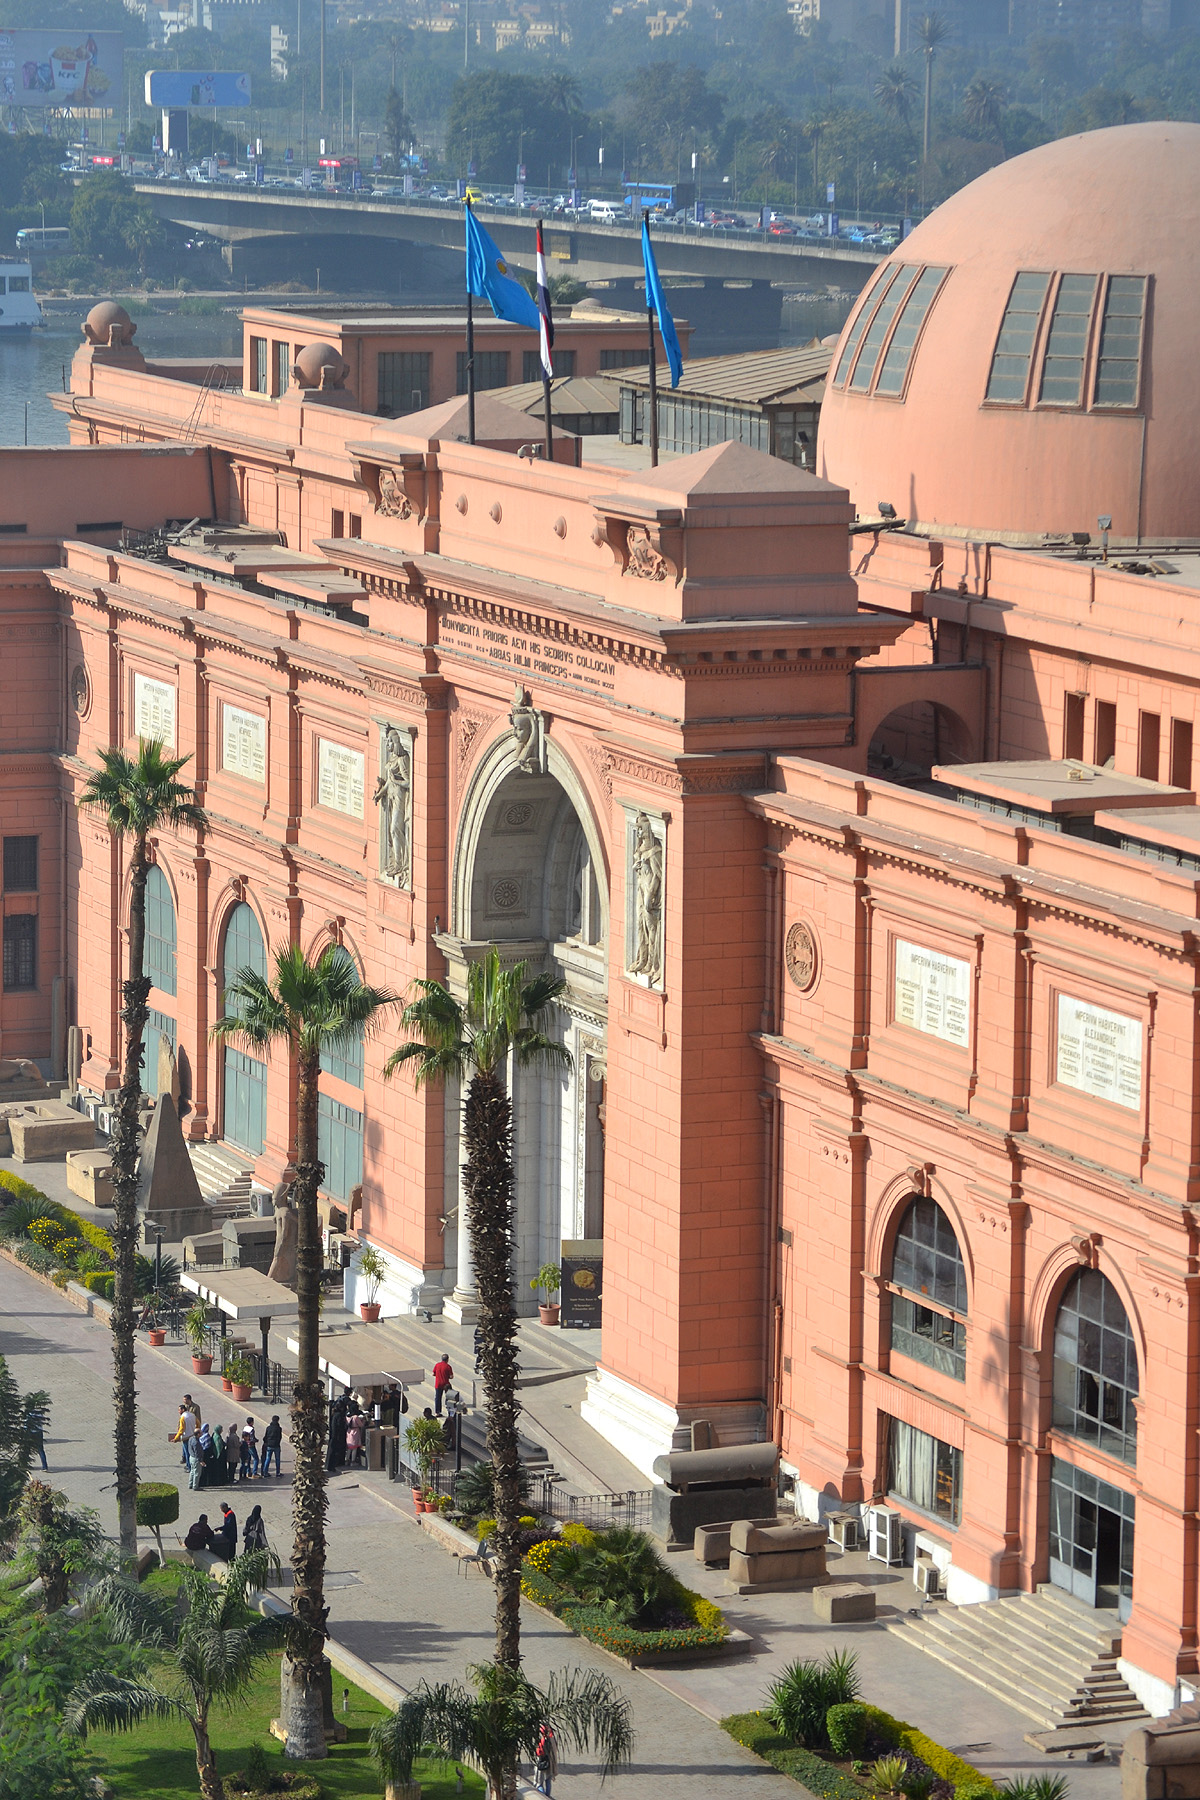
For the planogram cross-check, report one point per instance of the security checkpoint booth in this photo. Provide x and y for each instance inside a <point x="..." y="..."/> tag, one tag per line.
<point x="350" y="1361"/>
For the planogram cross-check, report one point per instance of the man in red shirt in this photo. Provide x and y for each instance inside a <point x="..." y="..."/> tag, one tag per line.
<point x="443" y="1375"/>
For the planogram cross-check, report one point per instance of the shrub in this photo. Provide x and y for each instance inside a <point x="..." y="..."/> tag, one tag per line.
<point x="475" y="1490"/>
<point x="541" y="1558"/>
<point x="704" y="1613"/>
<point x="599" y="1626"/>
<point x="13" y="1187"/>
<point x="944" y="1764"/>
<point x="890" y="1773"/>
<point x="756" y="1733"/>
<point x="575" y="1533"/>
<point x="97" y="1239"/>
<point x="99" y="1281"/>
<point x="157" y="1505"/>
<point x="484" y="1528"/>
<point x="846" y="1727"/>
<point x="16" y="1219"/>
<point x="37" y="1257"/>
<point x="799" y="1699"/>
<point x="1036" y="1787"/>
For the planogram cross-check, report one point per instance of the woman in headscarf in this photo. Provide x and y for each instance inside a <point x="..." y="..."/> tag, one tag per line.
<point x="208" y="1455"/>
<point x="254" y="1532"/>
<point x="216" y="1473"/>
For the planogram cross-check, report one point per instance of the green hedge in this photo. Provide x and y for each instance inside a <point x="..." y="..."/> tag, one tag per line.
<point x="756" y="1732"/>
<point x="17" y="1189"/>
<point x="599" y="1626"/>
<point x="943" y="1762"/>
<point x="99" y="1281"/>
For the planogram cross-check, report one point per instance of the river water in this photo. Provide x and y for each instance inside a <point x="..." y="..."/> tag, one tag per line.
<point x="31" y="367"/>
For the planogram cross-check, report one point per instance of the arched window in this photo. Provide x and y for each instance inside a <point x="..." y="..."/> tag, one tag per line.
<point x="1095" y="1366"/>
<point x="160" y="931"/>
<point x="346" y="1062"/>
<point x="928" y="1313"/>
<point x="244" y="1119"/>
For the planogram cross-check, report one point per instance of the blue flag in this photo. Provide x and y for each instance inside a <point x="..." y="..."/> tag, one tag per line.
<point x="654" y="298"/>
<point x="488" y="276"/>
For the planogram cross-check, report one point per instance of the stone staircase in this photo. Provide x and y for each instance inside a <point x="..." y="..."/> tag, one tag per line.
<point x="1046" y="1655"/>
<point x="224" y="1177"/>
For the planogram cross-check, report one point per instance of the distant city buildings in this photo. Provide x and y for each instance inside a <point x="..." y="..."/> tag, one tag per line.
<point x="889" y="25"/>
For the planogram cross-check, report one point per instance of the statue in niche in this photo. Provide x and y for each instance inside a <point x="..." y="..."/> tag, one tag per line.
<point x="393" y="502"/>
<point x="393" y="792"/>
<point x="529" y="729"/>
<point x="647" y="876"/>
<point x="283" y="1262"/>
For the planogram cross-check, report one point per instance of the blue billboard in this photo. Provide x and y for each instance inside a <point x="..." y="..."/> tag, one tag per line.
<point x="193" y="87"/>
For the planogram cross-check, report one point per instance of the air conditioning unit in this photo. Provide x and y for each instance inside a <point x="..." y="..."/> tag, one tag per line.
<point x="926" y="1577"/>
<point x="885" y="1535"/>
<point x="845" y="1530"/>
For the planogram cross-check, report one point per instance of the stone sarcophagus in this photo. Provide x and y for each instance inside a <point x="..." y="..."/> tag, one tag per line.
<point x="765" y="1559"/>
<point x="705" y="1487"/>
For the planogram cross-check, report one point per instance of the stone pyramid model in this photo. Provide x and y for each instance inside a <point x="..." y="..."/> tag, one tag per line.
<point x="169" y="1199"/>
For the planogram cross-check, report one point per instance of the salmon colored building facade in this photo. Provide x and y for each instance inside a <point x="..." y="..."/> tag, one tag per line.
<point x="874" y="876"/>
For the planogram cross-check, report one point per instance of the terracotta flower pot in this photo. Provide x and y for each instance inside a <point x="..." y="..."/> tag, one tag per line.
<point x="157" y="1334"/>
<point x="201" y="1365"/>
<point x="418" y="1498"/>
<point x="370" y="1310"/>
<point x="241" y="1390"/>
<point x="548" y="1314"/>
<point x="227" y="1384"/>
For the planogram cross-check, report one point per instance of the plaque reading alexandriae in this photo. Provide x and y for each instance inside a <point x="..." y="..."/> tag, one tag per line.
<point x="154" y="710"/>
<point x="341" y="774"/>
<point x="1099" y="1052"/>
<point x="933" y="992"/>
<point x="244" y="743"/>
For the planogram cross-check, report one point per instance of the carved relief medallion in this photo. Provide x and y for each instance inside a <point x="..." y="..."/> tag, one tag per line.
<point x="800" y="956"/>
<point x="81" y="690"/>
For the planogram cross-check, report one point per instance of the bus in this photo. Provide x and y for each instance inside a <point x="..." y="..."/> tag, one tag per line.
<point x="52" y="240"/>
<point x="666" y="197"/>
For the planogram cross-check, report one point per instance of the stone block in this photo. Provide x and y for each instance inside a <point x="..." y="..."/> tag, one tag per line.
<point x="146" y="1564"/>
<point x="89" y="1174"/>
<point x="779" y="1565"/>
<point x="675" y="1517"/>
<point x="204" y="1249"/>
<point x="752" y="1536"/>
<point x="711" y="1544"/>
<point x="47" y="1130"/>
<point x="839" y="1605"/>
<point x="249" y="1242"/>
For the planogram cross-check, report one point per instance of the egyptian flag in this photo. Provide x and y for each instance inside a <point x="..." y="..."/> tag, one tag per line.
<point x="543" y="305"/>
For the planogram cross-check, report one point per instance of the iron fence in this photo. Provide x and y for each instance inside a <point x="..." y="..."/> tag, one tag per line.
<point x="401" y="1467"/>
<point x="630" y="1508"/>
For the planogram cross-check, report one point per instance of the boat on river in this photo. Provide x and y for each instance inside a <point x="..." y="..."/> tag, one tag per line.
<point x="20" y="310"/>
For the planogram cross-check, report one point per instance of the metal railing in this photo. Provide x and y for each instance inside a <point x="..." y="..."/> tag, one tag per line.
<point x="600" y="1511"/>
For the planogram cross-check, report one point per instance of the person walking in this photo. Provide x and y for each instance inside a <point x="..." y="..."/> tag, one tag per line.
<point x="187" y="1430"/>
<point x="226" y="1538"/>
<point x="272" y="1443"/>
<point x="254" y="1532"/>
<point x="354" y="1440"/>
<point x="546" y="1758"/>
<point x="443" y="1375"/>
<point x="250" y="1440"/>
<point x="37" y="1433"/>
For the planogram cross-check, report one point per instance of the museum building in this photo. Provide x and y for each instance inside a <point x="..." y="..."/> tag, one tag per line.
<point x="857" y="811"/>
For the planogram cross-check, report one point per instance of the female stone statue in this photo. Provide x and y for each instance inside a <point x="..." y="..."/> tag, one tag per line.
<point x="647" y="872"/>
<point x="392" y="792"/>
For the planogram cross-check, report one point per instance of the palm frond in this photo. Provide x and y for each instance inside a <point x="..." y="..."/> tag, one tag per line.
<point x="139" y="794"/>
<point x="106" y="1702"/>
<point x="254" y="1016"/>
<point x="534" y="1049"/>
<point x="589" y="1713"/>
<point x="133" y="1614"/>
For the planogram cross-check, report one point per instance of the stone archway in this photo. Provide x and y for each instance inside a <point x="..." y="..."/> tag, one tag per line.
<point x="530" y="875"/>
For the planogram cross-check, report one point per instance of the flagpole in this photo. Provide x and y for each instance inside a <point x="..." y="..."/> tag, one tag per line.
<point x="470" y="353"/>
<point x="547" y="339"/>
<point x="653" y="366"/>
<point x="549" y="426"/>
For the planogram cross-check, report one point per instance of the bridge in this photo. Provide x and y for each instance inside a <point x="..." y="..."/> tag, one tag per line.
<point x="246" y="218"/>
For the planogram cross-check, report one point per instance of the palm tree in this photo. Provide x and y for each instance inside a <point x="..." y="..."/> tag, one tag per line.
<point x="138" y="795"/>
<point x="895" y="91"/>
<point x="310" y="1007"/>
<point x="57" y="1545"/>
<point x="984" y="102"/>
<point x="932" y="32"/>
<point x="499" y="1725"/>
<point x="207" y="1655"/>
<point x="504" y="1013"/>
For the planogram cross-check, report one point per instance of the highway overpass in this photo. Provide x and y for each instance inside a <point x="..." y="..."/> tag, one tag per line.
<point x="242" y="216"/>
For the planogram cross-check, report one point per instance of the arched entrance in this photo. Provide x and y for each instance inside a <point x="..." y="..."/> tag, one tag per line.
<point x="530" y="876"/>
<point x="914" y="739"/>
<point x="244" y="1114"/>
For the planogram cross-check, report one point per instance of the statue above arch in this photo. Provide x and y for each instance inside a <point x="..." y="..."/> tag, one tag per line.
<point x="529" y="730"/>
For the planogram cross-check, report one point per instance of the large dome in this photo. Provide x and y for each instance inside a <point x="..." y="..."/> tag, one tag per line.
<point x="1027" y="360"/>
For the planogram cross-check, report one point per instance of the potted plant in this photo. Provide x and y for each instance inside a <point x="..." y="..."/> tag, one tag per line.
<point x="195" y="1324"/>
<point x="226" y="1358"/>
<point x="424" y="1442"/>
<point x="373" y="1270"/>
<point x="239" y="1371"/>
<point x="547" y="1281"/>
<point x="156" y="1333"/>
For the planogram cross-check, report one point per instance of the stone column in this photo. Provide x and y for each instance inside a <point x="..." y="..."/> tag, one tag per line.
<point x="462" y="1306"/>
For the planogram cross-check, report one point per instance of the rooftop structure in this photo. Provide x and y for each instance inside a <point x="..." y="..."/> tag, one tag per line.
<point x="769" y="399"/>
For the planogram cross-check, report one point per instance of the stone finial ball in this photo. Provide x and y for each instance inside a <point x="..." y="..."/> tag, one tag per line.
<point x="320" y="366"/>
<point x="108" y="323"/>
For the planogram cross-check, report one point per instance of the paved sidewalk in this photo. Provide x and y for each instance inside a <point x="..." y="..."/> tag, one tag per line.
<point x="402" y="1603"/>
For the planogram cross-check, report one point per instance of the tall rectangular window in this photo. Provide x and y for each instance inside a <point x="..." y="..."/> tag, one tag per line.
<point x="1106" y="733"/>
<point x="1073" y="727"/>
<point x="20" y="951"/>
<point x="623" y="359"/>
<point x="403" y="381"/>
<point x="339" y="1146"/>
<point x="1149" y="732"/>
<point x="1121" y="341"/>
<point x="258" y="365"/>
<point x="894" y="372"/>
<point x="531" y="364"/>
<point x="491" y="370"/>
<point x="1066" y="346"/>
<point x="877" y="330"/>
<point x="283" y="368"/>
<point x="20" y="865"/>
<point x="877" y="288"/>
<point x="337" y="523"/>
<point x="1181" y="753"/>
<point x="1018" y="332"/>
<point x="924" y="1471"/>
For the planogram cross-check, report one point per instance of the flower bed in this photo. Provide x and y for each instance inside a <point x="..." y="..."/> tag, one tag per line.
<point x="700" y="1630"/>
<point x="884" y="1735"/>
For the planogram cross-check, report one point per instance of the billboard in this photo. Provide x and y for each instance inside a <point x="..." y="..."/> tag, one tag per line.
<point x="60" y="67"/>
<point x="195" y="87"/>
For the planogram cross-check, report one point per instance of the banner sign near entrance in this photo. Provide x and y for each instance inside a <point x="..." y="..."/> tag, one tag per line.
<point x="582" y="1283"/>
<point x="1099" y="1052"/>
<point x="933" y="993"/>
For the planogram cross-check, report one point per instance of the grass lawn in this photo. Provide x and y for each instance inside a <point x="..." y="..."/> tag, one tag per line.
<point x="157" y="1761"/>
